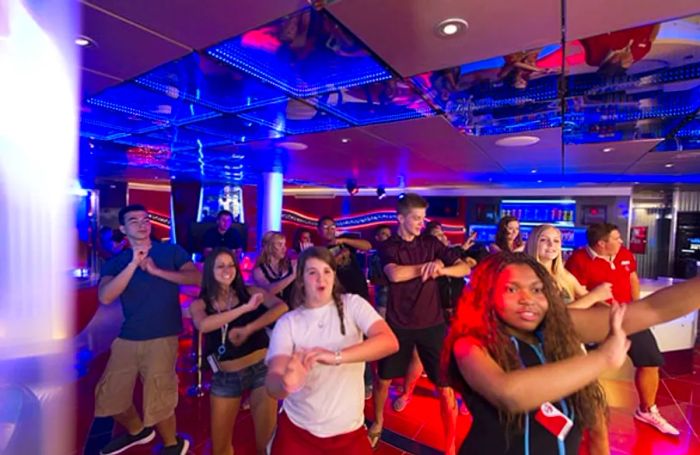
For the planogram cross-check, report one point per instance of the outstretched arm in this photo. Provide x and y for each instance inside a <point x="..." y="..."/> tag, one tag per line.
<point x="662" y="306"/>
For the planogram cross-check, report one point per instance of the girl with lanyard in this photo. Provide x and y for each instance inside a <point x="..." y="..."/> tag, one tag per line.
<point x="232" y="318"/>
<point x="544" y="244"/>
<point x="274" y="271"/>
<point x="511" y="320"/>
<point x="316" y="363"/>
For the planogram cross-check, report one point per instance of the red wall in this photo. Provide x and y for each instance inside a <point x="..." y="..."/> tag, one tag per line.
<point x="339" y="207"/>
<point x="156" y="202"/>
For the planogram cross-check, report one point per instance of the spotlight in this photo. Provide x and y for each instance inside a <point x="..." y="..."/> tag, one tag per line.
<point x="351" y="186"/>
<point x="381" y="192"/>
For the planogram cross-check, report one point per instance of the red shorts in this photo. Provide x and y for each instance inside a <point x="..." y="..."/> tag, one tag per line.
<point x="293" y="440"/>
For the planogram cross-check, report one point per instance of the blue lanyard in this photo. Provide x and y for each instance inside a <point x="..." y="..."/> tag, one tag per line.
<point x="562" y="403"/>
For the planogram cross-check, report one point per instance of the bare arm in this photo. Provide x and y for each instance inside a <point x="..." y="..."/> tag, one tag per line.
<point x="111" y="287"/>
<point x="272" y="288"/>
<point x="457" y="270"/>
<point x="187" y="274"/>
<point x="206" y="323"/>
<point x="358" y="244"/>
<point x="380" y="343"/>
<point x="600" y="293"/>
<point x="525" y="389"/>
<point x="662" y="306"/>
<point x="276" y="308"/>
<point x="400" y="273"/>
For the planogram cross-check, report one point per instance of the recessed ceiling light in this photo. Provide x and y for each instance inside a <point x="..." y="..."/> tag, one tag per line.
<point x="607" y="149"/>
<point x="451" y="27"/>
<point x="84" y="41"/>
<point x="345" y="140"/>
<point x="668" y="165"/>
<point x="293" y="145"/>
<point x="539" y="181"/>
<point x="517" y="141"/>
<point x="534" y="171"/>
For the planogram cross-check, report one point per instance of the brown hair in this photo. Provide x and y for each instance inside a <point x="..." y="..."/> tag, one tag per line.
<point x="502" y="234"/>
<point x="477" y="318"/>
<point x="599" y="231"/>
<point x="410" y="201"/>
<point x="299" y="293"/>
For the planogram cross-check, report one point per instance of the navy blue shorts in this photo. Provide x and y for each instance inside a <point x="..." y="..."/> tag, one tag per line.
<point x="232" y="384"/>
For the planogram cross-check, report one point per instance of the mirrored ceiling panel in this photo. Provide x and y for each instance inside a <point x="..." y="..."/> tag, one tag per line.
<point x="107" y="124"/>
<point x="132" y="100"/>
<point x="385" y="101"/>
<point x="305" y="54"/>
<point x="235" y="129"/>
<point x="513" y="93"/>
<point x="294" y="117"/>
<point x="199" y="79"/>
<point x="638" y="83"/>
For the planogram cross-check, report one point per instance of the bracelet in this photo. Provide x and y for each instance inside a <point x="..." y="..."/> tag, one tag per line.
<point x="338" y="357"/>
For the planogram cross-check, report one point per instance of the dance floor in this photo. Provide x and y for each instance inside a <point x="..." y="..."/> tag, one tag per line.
<point x="417" y="429"/>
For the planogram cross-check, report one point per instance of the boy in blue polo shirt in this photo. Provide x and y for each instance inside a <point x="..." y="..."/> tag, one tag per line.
<point x="146" y="279"/>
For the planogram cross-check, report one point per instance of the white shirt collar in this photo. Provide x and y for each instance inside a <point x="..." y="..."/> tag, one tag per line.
<point x="594" y="255"/>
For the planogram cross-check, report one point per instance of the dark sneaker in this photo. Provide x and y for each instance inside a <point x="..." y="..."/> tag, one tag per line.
<point x="178" y="449"/>
<point x="126" y="441"/>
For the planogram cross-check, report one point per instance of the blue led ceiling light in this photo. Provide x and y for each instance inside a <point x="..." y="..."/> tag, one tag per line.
<point x="235" y="129"/>
<point x="132" y="100"/>
<point x="304" y="54"/>
<point x="385" y="101"/>
<point x="175" y="139"/>
<point x="294" y="117"/>
<point x="199" y="79"/>
<point x="106" y="124"/>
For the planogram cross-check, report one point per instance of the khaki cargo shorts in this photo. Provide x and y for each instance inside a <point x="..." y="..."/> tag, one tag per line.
<point x="152" y="360"/>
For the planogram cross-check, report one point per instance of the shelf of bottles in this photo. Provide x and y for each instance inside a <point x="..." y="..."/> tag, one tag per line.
<point x="559" y="212"/>
<point x="572" y="237"/>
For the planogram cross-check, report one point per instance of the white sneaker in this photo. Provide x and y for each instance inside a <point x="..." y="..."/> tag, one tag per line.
<point x="656" y="420"/>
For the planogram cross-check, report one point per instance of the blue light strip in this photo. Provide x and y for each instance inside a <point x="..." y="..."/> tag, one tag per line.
<point x="249" y="104"/>
<point x="230" y="54"/>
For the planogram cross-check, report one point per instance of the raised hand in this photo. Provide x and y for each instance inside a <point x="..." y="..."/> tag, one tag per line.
<point x="470" y="242"/>
<point x="255" y="301"/>
<point x="616" y="345"/>
<point x="148" y="265"/>
<point x="431" y="269"/>
<point x="139" y="254"/>
<point x="298" y="367"/>
<point x="603" y="292"/>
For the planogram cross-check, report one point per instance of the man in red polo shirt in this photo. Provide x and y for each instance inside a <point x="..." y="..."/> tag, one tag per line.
<point x="605" y="260"/>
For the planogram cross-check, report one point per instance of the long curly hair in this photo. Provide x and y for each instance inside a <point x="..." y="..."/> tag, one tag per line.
<point x="211" y="289"/>
<point x="477" y="318"/>
<point x="299" y="293"/>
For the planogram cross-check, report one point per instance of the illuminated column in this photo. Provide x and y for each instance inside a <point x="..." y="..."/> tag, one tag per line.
<point x="38" y="141"/>
<point x="270" y="200"/>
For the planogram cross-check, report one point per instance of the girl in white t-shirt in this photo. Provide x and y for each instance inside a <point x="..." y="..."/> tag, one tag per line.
<point x="316" y="361"/>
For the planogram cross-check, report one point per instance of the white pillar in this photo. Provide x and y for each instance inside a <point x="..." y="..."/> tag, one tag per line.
<point x="270" y="200"/>
<point x="38" y="141"/>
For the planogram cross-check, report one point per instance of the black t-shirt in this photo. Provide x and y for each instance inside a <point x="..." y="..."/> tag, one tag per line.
<point x="415" y="304"/>
<point x="256" y="341"/>
<point x="349" y="272"/>
<point x="488" y="434"/>
<point x="229" y="239"/>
